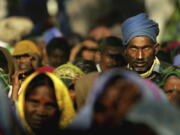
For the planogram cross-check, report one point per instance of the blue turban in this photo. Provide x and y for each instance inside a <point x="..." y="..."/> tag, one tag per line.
<point x="139" y="25"/>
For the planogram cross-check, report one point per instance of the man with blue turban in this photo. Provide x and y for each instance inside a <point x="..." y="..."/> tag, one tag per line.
<point x="139" y="38"/>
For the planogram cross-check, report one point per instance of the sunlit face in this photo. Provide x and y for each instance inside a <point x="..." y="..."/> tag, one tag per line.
<point x="41" y="109"/>
<point x="111" y="58"/>
<point x="140" y="53"/>
<point x="172" y="88"/>
<point x="24" y="62"/>
<point x="57" y="58"/>
<point x="116" y="101"/>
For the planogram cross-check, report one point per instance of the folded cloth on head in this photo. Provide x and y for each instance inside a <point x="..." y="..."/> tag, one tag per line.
<point x="139" y="25"/>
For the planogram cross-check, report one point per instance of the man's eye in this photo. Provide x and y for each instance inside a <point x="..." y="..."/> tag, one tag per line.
<point x="146" y="48"/>
<point x="133" y="49"/>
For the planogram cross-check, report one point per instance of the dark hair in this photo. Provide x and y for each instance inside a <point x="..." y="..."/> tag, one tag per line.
<point x="40" y="79"/>
<point x="58" y="43"/>
<point x="111" y="41"/>
<point x="86" y="66"/>
<point x="4" y="62"/>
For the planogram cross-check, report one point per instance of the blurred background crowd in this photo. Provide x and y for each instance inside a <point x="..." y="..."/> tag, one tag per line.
<point x="65" y="67"/>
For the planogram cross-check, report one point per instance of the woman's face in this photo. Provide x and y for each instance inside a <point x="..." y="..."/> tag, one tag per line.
<point x="172" y="88"/>
<point x="41" y="109"/>
<point x="116" y="101"/>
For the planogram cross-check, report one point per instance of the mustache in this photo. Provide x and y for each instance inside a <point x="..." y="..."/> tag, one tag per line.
<point x="139" y="61"/>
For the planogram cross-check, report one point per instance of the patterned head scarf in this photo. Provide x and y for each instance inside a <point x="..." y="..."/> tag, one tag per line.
<point x="63" y="100"/>
<point x="139" y="25"/>
<point x="67" y="73"/>
<point x="25" y="47"/>
<point x="10" y="62"/>
<point x="172" y="70"/>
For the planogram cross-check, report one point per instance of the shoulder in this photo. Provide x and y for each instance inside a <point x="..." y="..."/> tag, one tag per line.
<point x="164" y="65"/>
<point x="166" y="72"/>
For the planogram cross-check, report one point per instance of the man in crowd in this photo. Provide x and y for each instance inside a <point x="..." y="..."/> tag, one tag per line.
<point x="139" y="38"/>
<point x="58" y="51"/>
<point x="111" y="54"/>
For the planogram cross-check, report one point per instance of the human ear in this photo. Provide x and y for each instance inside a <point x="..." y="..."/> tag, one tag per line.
<point x="125" y="52"/>
<point x="157" y="48"/>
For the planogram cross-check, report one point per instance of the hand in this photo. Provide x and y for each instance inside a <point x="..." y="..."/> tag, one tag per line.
<point x="16" y="84"/>
<point x="74" y="52"/>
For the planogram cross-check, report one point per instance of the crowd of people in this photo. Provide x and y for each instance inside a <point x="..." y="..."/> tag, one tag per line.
<point x="51" y="85"/>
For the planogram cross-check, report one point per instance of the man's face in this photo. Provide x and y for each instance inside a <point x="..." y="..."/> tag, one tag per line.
<point x="140" y="53"/>
<point x="41" y="109"/>
<point x="24" y="62"/>
<point x="110" y="58"/>
<point x="57" y="58"/>
<point x="172" y="88"/>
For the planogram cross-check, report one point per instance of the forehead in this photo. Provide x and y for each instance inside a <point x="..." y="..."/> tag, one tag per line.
<point x="43" y="91"/>
<point x="123" y="83"/>
<point x="140" y="41"/>
<point x="118" y="88"/>
<point x="57" y="52"/>
<point x="173" y="80"/>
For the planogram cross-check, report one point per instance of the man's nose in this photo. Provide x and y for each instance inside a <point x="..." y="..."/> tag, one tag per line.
<point x="139" y="54"/>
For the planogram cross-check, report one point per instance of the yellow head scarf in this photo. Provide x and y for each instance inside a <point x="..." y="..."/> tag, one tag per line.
<point x="25" y="47"/>
<point x="63" y="100"/>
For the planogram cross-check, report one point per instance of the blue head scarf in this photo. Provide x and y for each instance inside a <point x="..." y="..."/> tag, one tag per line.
<point x="51" y="33"/>
<point x="139" y="25"/>
<point x="149" y="91"/>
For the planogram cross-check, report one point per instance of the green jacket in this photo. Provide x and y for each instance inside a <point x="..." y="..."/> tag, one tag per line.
<point x="172" y="70"/>
<point x="156" y="76"/>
